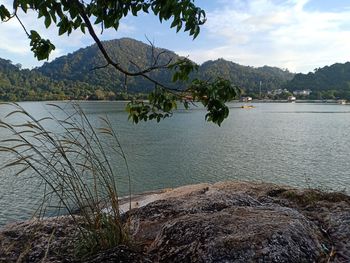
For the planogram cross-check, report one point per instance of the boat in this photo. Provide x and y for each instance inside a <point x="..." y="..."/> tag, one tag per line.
<point x="247" y="107"/>
<point x="343" y="102"/>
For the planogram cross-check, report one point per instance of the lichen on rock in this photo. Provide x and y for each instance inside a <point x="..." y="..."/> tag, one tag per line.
<point x="222" y="222"/>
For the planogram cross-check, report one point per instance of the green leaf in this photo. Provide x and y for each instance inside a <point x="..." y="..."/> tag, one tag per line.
<point x="145" y="8"/>
<point x="62" y="29"/>
<point x="174" y="23"/>
<point x="4" y="13"/>
<point x="47" y="21"/>
<point x="82" y="28"/>
<point x="196" y="33"/>
<point x="24" y="7"/>
<point x="40" y="47"/>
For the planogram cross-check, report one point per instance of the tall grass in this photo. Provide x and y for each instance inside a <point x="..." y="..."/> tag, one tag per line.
<point x="73" y="160"/>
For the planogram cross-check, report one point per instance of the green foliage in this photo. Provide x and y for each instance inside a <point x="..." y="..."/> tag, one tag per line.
<point x="79" y="65"/>
<point x="40" y="47"/>
<point x="24" y="85"/>
<point x="69" y="16"/>
<point x="214" y="95"/>
<point x="247" y="78"/>
<point x="183" y="68"/>
<point x="313" y="196"/>
<point x="330" y="82"/>
<point x="4" y="13"/>
<point x="162" y="103"/>
<point x="72" y="77"/>
<point x="109" y="234"/>
<point x="281" y="96"/>
<point x="160" y="106"/>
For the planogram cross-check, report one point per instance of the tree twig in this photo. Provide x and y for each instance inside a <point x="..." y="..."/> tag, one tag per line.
<point x="110" y="61"/>
<point x="24" y="28"/>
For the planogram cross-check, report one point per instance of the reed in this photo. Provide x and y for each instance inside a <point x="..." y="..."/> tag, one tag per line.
<point x="73" y="160"/>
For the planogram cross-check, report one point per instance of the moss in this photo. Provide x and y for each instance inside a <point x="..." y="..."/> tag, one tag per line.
<point x="309" y="197"/>
<point x="276" y="192"/>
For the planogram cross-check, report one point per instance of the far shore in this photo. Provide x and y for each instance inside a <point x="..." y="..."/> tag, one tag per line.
<point x="145" y="100"/>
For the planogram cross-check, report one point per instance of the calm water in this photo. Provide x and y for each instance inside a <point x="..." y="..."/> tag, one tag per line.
<point x="296" y="144"/>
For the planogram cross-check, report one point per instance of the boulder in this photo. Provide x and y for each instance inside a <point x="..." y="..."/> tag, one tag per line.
<point x="222" y="222"/>
<point x="219" y="225"/>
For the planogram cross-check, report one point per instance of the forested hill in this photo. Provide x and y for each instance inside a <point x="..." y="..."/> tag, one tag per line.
<point x="329" y="82"/>
<point x="24" y="84"/>
<point x="73" y="76"/>
<point x="79" y="66"/>
<point x="247" y="78"/>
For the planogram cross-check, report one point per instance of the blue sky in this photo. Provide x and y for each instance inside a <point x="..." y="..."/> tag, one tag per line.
<point x="300" y="35"/>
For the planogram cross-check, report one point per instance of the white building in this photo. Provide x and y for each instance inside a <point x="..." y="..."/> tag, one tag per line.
<point x="305" y="92"/>
<point x="277" y="91"/>
<point x="292" y="99"/>
<point x="246" y="99"/>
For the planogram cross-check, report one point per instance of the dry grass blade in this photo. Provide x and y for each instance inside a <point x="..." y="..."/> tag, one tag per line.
<point x="18" y="161"/>
<point x="15" y="112"/>
<point x="74" y="165"/>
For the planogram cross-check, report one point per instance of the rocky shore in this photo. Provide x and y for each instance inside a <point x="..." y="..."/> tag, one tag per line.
<point x="222" y="222"/>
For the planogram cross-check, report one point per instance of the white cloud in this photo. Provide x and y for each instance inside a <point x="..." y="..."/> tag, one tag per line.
<point x="283" y="33"/>
<point x="256" y="32"/>
<point x="14" y="43"/>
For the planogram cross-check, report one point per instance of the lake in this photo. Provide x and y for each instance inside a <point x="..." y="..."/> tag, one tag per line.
<point x="297" y="144"/>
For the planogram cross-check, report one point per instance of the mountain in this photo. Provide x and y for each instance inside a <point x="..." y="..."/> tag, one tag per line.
<point x="73" y="76"/>
<point x="245" y="77"/>
<point x="329" y="82"/>
<point x="79" y="66"/>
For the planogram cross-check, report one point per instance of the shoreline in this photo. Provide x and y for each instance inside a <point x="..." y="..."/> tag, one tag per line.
<point x="328" y="101"/>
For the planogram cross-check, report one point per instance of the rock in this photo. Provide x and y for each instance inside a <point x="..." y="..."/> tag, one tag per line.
<point x="120" y="254"/>
<point x="238" y="235"/>
<point x="222" y="222"/>
<point x="222" y="226"/>
<point x="49" y="240"/>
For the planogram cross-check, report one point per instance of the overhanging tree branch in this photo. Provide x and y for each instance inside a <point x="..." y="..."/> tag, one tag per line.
<point x="74" y="15"/>
<point x="24" y="28"/>
<point x="110" y="60"/>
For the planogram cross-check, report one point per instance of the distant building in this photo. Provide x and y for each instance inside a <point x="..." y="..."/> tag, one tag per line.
<point x="292" y="99"/>
<point x="306" y="92"/>
<point x="277" y="91"/>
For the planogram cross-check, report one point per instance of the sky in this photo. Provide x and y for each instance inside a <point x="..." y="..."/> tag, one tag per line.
<point x="298" y="35"/>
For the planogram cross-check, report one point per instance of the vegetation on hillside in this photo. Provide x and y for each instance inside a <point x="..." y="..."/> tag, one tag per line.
<point x="18" y="84"/>
<point x="329" y="82"/>
<point x="247" y="78"/>
<point x="78" y="67"/>
<point x="133" y="55"/>
<point x="76" y="76"/>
